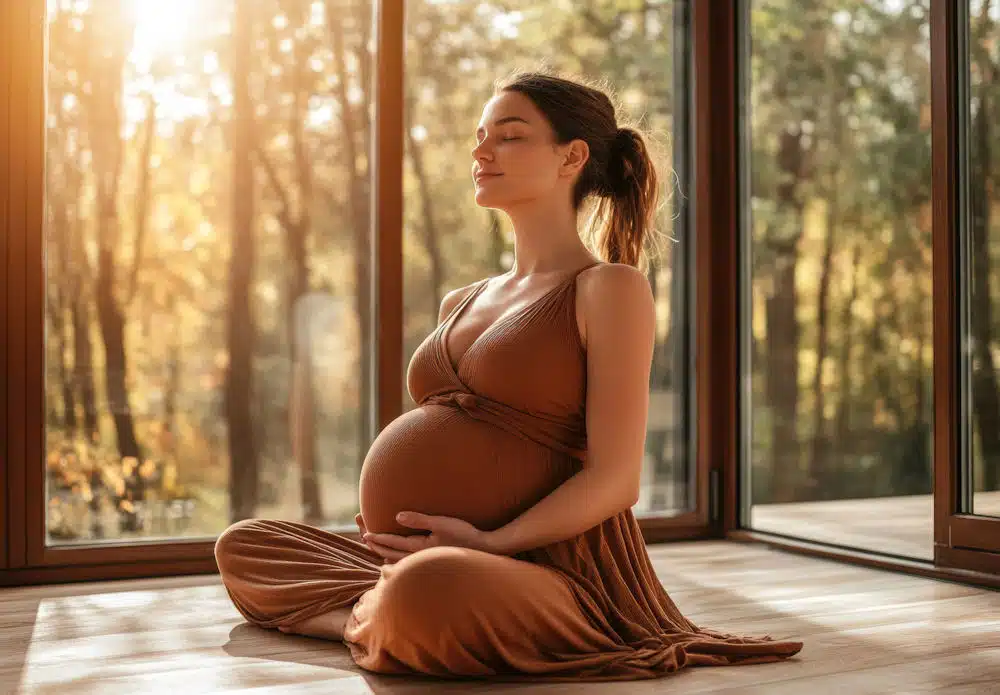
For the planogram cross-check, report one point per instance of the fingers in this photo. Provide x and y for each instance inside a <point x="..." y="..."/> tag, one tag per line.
<point x="416" y="520"/>
<point x="408" y="544"/>
<point x="389" y="554"/>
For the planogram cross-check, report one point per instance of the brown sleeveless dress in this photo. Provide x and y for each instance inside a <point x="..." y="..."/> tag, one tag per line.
<point x="493" y="433"/>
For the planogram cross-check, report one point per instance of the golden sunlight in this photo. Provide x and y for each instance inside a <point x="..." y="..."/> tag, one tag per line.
<point x="162" y="27"/>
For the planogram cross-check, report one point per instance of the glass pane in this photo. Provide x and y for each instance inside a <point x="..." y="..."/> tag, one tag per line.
<point x="455" y="51"/>
<point x="983" y="257"/>
<point x="206" y="250"/>
<point x="839" y="261"/>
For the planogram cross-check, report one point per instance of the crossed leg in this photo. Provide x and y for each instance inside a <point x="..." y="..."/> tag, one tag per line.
<point x="442" y="611"/>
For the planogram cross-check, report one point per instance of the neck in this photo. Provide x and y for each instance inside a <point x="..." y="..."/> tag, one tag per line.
<point x="546" y="239"/>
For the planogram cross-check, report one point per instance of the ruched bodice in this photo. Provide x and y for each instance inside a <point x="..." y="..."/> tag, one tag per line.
<point x="498" y="376"/>
<point x="534" y="344"/>
<point x="496" y="429"/>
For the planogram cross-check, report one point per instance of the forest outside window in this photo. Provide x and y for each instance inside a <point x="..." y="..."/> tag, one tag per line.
<point x="209" y="339"/>
<point x="839" y="273"/>
<point x="206" y="230"/>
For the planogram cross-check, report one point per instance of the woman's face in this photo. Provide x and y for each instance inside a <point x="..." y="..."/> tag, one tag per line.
<point x="516" y="159"/>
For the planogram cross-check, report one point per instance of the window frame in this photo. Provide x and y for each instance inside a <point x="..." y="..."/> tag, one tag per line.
<point x="957" y="532"/>
<point x="25" y="557"/>
<point x="5" y="167"/>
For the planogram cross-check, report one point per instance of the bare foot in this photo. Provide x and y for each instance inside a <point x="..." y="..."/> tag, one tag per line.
<point x="328" y="626"/>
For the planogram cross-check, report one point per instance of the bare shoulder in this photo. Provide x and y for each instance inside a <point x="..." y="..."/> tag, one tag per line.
<point x="615" y="298"/>
<point x="452" y="299"/>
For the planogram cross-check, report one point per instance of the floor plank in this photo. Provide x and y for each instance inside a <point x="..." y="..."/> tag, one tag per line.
<point x="865" y="630"/>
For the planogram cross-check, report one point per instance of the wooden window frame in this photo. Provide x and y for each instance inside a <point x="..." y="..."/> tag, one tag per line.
<point x="5" y="168"/>
<point x="960" y="538"/>
<point x="716" y="195"/>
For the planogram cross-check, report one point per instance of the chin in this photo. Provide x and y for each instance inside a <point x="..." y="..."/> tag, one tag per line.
<point x="488" y="199"/>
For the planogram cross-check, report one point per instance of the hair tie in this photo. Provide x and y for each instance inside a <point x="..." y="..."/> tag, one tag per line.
<point x="621" y="142"/>
<point x="620" y="171"/>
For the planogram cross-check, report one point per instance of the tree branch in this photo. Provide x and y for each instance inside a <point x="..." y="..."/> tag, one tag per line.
<point x="285" y="214"/>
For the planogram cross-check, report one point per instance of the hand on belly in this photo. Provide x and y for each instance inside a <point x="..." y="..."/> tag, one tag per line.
<point x="438" y="461"/>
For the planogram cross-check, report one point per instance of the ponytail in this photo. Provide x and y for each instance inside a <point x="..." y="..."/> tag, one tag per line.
<point x="627" y="199"/>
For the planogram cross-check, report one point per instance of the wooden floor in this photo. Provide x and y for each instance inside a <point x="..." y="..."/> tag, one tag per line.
<point x="865" y="631"/>
<point x="901" y="526"/>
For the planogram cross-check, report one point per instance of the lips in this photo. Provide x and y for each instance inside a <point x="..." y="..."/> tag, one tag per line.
<point x="483" y="176"/>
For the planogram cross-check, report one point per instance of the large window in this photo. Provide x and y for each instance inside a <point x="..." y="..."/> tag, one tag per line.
<point x="209" y="342"/>
<point x="225" y="226"/>
<point x="838" y="320"/>
<point x="455" y="51"/>
<point x="981" y="343"/>
<point x="207" y="264"/>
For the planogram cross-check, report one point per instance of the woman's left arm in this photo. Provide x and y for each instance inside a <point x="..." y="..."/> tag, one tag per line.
<point x="619" y="319"/>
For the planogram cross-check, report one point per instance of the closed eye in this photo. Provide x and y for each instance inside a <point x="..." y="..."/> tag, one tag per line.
<point x="507" y="139"/>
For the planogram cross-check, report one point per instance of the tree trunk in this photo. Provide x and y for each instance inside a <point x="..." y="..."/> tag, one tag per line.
<point x="80" y="276"/>
<point x="58" y="299"/>
<point x="83" y="360"/>
<point x="58" y="320"/>
<point x="783" y="328"/>
<point x="783" y="377"/>
<point x="297" y="229"/>
<point x="168" y="443"/>
<point x="358" y="209"/>
<point x="842" y="422"/>
<point x="819" y="455"/>
<point x="296" y="245"/>
<point x="431" y="240"/>
<point x="107" y="61"/>
<point x="111" y="319"/>
<point x="238" y="395"/>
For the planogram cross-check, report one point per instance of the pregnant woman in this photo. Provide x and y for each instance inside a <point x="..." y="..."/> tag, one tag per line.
<point x="498" y="539"/>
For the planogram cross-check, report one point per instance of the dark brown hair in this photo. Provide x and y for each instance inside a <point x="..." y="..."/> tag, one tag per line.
<point x="620" y="173"/>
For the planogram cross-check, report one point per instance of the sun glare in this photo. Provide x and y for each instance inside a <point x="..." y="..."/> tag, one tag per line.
<point x="162" y="27"/>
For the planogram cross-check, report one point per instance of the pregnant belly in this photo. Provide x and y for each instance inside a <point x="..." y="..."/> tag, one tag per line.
<point x="439" y="460"/>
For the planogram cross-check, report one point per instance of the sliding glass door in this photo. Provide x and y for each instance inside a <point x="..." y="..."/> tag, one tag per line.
<point x="838" y="283"/>
<point x="871" y="241"/>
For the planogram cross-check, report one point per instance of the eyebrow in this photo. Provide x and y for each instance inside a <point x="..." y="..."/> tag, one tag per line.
<point x="508" y="119"/>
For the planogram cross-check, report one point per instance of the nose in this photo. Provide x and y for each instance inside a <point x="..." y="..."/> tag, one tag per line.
<point x="481" y="152"/>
